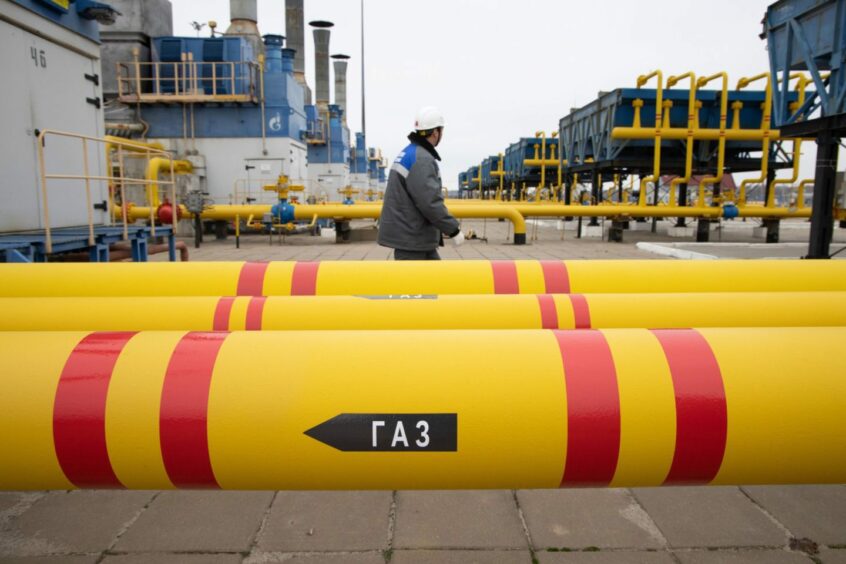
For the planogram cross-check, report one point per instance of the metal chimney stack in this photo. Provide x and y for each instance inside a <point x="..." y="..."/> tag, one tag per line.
<point x="243" y="20"/>
<point x="321" y="63"/>
<point x="340" y="64"/>
<point x="295" y="30"/>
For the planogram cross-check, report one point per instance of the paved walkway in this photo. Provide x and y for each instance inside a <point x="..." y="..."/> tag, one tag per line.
<point x="778" y="524"/>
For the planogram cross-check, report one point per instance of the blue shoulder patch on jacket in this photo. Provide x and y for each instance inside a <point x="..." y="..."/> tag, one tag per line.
<point x="407" y="157"/>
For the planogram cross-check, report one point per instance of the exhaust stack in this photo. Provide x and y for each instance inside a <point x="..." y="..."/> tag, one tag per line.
<point x="243" y="21"/>
<point x="295" y="28"/>
<point x="340" y="64"/>
<point x="321" y="63"/>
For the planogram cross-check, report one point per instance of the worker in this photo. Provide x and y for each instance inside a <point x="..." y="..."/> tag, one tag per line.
<point x="414" y="217"/>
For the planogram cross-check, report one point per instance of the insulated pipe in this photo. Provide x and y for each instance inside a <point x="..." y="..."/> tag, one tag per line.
<point x="340" y="65"/>
<point x="321" y="63"/>
<point x="372" y="278"/>
<point x="295" y="37"/>
<point x="401" y="312"/>
<point x="616" y="407"/>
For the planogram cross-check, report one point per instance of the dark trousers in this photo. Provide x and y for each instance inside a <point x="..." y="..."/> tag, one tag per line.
<point x="399" y="254"/>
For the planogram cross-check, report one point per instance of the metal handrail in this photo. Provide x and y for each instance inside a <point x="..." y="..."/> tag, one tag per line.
<point x="188" y="81"/>
<point x="111" y="145"/>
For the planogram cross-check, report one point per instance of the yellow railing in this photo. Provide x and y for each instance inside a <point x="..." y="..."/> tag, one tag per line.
<point x="116" y="176"/>
<point x="188" y="81"/>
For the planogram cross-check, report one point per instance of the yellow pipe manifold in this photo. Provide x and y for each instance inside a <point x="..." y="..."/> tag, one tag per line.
<point x="541" y="311"/>
<point x="486" y="409"/>
<point x="345" y="278"/>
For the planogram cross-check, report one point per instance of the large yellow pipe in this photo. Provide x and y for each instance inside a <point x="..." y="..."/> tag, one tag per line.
<point x="542" y="311"/>
<point x="344" y="278"/>
<point x="680" y="134"/>
<point x="616" y="407"/>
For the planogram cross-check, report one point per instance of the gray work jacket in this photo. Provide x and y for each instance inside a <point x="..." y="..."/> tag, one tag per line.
<point x="414" y="214"/>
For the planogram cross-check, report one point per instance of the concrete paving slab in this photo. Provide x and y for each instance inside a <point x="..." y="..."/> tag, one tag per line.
<point x="190" y="521"/>
<point x="461" y="557"/>
<point x="8" y="500"/>
<point x="605" y="557"/>
<point x="709" y="517"/>
<point x="164" y="558"/>
<point x="327" y="521"/>
<point x="75" y="559"/>
<point x="833" y="556"/>
<point x="814" y="512"/>
<point x="578" y="519"/>
<point x="316" y="558"/>
<point x="458" y="519"/>
<point x="71" y="522"/>
<point x="742" y="557"/>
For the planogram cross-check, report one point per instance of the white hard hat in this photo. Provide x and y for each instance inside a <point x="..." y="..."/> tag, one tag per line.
<point x="428" y="118"/>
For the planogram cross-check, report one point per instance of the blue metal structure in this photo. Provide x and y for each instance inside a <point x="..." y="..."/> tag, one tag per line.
<point x="80" y="17"/>
<point x="358" y="157"/>
<point x="810" y="35"/>
<point x="32" y="246"/>
<point x="587" y="144"/>
<point x="807" y="35"/>
<point x="518" y="152"/>
<point x="284" y="98"/>
<point x="328" y="144"/>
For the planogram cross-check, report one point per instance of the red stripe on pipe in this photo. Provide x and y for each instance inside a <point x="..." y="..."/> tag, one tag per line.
<point x="593" y="408"/>
<point x="555" y="276"/>
<point x="581" y="311"/>
<point x="221" y="314"/>
<point x="549" y="315"/>
<point x="701" y="413"/>
<point x="255" y="309"/>
<point x="304" y="279"/>
<point x="505" y="277"/>
<point x="79" y="410"/>
<point x="251" y="279"/>
<point x="184" y="410"/>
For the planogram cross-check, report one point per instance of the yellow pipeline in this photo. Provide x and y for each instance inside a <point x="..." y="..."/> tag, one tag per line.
<point x="680" y="134"/>
<point x="542" y="136"/>
<point x="615" y="407"/>
<point x="801" y="85"/>
<point x="659" y="96"/>
<point x="692" y="124"/>
<point x="362" y="210"/>
<point x="519" y="311"/>
<point x="157" y="165"/>
<point x="346" y="278"/>
<point x="721" y="147"/>
<point x="765" y="145"/>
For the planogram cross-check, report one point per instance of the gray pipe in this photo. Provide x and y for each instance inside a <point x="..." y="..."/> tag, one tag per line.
<point x="340" y="64"/>
<point x="295" y="30"/>
<point x="321" y="63"/>
<point x="243" y="10"/>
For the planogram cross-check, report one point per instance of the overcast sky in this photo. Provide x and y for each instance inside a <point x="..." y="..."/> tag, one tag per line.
<point x="500" y="70"/>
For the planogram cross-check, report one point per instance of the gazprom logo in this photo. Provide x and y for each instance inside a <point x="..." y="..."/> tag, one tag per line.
<point x="275" y="123"/>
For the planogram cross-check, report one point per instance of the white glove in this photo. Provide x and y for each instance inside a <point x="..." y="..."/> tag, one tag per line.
<point x="458" y="240"/>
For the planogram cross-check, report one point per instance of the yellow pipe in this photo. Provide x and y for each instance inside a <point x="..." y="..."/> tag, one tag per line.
<point x="299" y="313"/>
<point x="765" y="128"/>
<point x="656" y="166"/>
<point x="160" y="164"/>
<point x="801" y="85"/>
<point x="614" y="407"/>
<point x="560" y="166"/>
<point x="282" y="278"/>
<point x="721" y="147"/>
<point x="542" y="136"/>
<point x="692" y="115"/>
<point x="700" y="134"/>
<point x="800" y="194"/>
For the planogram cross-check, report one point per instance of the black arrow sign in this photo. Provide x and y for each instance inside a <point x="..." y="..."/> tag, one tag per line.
<point x="389" y="432"/>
